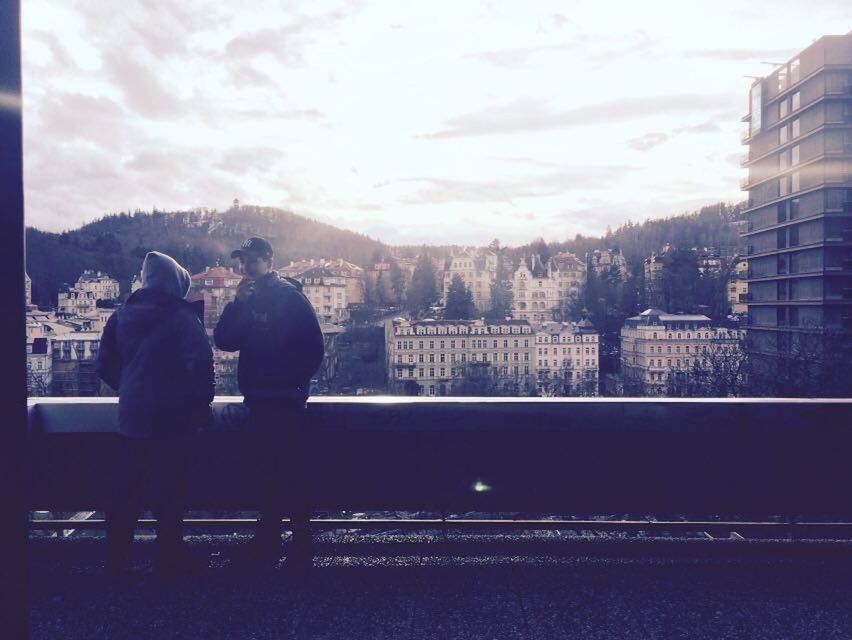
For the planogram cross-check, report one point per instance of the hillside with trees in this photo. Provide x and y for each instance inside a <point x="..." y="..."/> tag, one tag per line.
<point x="117" y="243"/>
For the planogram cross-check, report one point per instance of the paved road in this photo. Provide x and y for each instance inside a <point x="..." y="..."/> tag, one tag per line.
<point x="436" y="589"/>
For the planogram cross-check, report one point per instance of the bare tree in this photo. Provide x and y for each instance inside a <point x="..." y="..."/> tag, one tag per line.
<point x="811" y="361"/>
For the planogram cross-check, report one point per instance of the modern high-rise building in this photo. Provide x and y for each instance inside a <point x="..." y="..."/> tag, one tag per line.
<point x="799" y="233"/>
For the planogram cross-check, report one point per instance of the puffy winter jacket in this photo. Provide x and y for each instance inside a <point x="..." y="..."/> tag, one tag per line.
<point x="155" y="352"/>
<point x="279" y="339"/>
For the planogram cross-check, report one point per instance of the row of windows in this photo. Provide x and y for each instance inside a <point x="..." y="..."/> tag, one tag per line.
<point x="563" y="338"/>
<point x="473" y="357"/>
<point x="565" y="363"/>
<point x="464" y="330"/>
<point x="677" y="349"/>
<point x="670" y="336"/>
<point x="567" y="375"/>
<point x="420" y="372"/>
<point x="474" y="344"/>
<point x="567" y="351"/>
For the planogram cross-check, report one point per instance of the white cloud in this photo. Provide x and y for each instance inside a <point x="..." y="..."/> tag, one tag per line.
<point x="442" y="122"/>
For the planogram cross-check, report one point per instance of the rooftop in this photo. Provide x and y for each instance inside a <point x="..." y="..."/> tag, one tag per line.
<point x="386" y="585"/>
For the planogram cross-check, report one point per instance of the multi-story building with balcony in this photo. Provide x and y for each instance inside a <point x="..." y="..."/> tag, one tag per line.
<point x="658" y="347"/>
<point x="799" y="233"/>
<point x="326" y="290"/>
<point x="432" y="357"/>
<point x="567" y="358"/>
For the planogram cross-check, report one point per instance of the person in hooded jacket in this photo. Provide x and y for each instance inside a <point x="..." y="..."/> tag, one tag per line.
<point x="155" y="352"/>
<point x="274" y="327"/>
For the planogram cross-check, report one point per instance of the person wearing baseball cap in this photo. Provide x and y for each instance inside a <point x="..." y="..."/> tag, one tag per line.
<point x="275" y="329"/>
<point x="254" y="247"/>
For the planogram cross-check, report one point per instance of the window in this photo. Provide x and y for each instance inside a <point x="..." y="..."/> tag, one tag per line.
<point x="782" y="78"/>
<point x="796" y="129"/>
<point x="782" y="212"/>
<point x="795" y="71"/>
<point x="796" y="101"/>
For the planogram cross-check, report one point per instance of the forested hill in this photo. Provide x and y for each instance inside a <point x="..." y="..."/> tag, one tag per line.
<point x="711" y="226"/>
<point x="117" y="243"/>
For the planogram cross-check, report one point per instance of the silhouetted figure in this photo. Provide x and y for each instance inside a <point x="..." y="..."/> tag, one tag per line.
<point x="274" y="327"/>
<point x="155" y="352"/>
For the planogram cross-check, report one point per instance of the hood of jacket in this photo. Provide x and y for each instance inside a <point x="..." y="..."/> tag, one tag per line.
<point x="162" y="273"/>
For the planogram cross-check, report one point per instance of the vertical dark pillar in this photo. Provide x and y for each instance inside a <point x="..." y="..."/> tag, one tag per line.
<point x="13" y="386"/>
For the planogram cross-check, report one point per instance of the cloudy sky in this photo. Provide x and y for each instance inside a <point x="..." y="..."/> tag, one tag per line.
<point x="449" y="121"/>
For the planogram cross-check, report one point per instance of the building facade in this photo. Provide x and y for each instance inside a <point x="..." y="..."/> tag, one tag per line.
<point x="658" y="347"/>
<point x="327" y="292"/>
<point x="216" y="287"/>
<point x="799" y="232"/>
<point x="603" y="260"/>
<point x="436" y="357"/>
<point x="738" y="288"/>
<point x="82" y="298"/>
<point x="352" y="274"/>
<point x="567" y="358"/>
<point x="543" y="290"/>
<point x="74" y="363"/>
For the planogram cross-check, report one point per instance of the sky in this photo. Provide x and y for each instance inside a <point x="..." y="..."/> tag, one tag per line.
<point x="447" y="122"/>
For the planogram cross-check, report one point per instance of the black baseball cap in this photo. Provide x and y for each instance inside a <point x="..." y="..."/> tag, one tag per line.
<point x="254" y="246"/>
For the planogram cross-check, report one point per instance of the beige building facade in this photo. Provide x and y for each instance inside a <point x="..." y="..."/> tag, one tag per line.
<point x="657" y="346"/>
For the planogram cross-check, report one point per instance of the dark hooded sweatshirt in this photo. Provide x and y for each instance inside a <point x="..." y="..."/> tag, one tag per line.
<point x="279" y="339"/>
<point x="155" y="352"/>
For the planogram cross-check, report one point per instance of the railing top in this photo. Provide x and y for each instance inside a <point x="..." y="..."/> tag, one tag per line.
<point x="454" y="400"/>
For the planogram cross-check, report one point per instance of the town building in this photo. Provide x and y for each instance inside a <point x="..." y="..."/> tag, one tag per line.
<point x="74" y="363"/>
<point x="81" y="299"/>
<point x="327" y="291"/>
<point x="710" y="261"/>
<point x="477" y="269"/>
<point x="799" y="184"/>
<point x="738" y="288"/>
<point x="603" y="260"/>
<point x="352" y="274"/>
<point x="436" y="357"/>
<point x="543" y="290"/>
<point x="567" y="358"/>
<point x="658" y="348"/>
<point x="216" y="287"/>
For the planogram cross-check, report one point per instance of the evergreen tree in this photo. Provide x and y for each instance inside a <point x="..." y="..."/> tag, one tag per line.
<point x="397" y="282"/>
<point x="459" y="300"/>
<point x="501" y="288"/>
<point x="423" y="292"/>
<point x="681" y="281"/>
